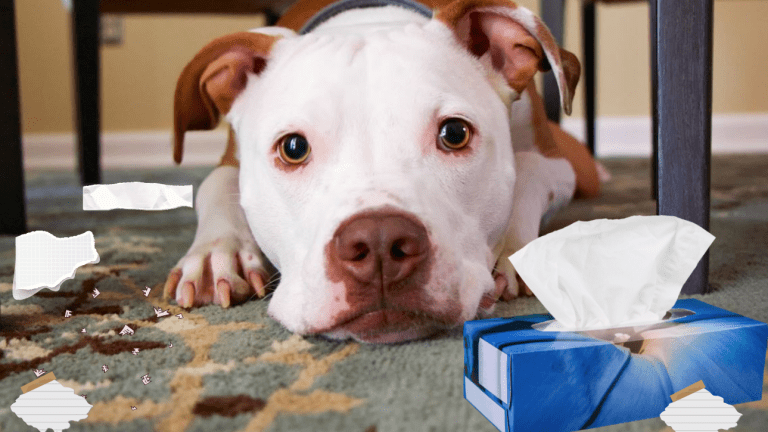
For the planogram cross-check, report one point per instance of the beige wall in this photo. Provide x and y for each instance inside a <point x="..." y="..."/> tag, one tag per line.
<point x="138" y="77"/>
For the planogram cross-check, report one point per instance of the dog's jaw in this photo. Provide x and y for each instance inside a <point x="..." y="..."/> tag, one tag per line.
<point x="376" y="328"/>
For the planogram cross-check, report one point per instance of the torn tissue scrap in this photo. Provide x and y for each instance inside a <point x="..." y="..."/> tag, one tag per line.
<point x="45" y="261"/>
<point x="136" y="196"/>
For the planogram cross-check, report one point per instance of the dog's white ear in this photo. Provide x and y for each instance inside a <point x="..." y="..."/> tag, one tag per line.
<point x="518" y="42"/>
<point x="212" y="80"/>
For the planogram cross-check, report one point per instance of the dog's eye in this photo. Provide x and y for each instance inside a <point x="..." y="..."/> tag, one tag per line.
<point x="455" y="133"/>
<point x="294" y="149"/>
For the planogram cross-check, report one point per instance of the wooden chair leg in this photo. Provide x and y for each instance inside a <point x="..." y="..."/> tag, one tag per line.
<point x="654" y="105"/>
<point x="553" y="15"/>
<point x="684" y="116"/>
<point x="271" y="17"/>
<point x="588" y="16"/>
<point x="85" y="38"/>
<point x="13" y="209"/>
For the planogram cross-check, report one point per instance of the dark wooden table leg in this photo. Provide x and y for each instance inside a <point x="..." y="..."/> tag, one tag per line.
<point x="12" y="206"/>
<point x="85" y="41"/>
<point x="553" y="14"/>
<point x="684" y="116"/>
<point x="654" y="105"/>
<point x="588" y="16"/>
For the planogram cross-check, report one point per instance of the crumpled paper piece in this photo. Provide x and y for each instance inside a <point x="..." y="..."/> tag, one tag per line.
<point x="612" y="273"/>
<point x="136" y="196"/>
<point x="45" y="261"/>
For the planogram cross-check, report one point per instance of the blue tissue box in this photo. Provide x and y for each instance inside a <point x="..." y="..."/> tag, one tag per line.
<point x="525" y="379"/>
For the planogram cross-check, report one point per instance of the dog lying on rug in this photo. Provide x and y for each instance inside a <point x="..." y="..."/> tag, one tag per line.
<point x="385" y="156"/>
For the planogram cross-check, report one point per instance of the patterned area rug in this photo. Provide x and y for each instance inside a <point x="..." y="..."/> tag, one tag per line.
<point x="237" y="370"/>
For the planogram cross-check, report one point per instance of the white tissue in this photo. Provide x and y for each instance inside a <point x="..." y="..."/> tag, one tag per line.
<point x="136" y="196"/>
<point x="612" y="273"/>
<point x="46" y="261"/>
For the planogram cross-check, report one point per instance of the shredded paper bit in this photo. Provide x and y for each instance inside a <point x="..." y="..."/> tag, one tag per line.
<point x="136" y="196"/>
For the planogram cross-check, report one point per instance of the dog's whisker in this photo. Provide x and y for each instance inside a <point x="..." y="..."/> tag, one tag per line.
<point x="495" y="268"/>
<point x="266" y="297"/>
<point x="270" y="286"/>
<point x="275" y="277"/>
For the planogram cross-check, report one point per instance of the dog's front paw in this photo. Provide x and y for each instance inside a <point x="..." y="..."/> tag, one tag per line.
<point x="222" y="271"/>
<point x="514" y="286"/>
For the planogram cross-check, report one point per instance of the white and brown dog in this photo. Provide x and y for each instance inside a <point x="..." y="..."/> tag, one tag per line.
<point x="386" y="159"/>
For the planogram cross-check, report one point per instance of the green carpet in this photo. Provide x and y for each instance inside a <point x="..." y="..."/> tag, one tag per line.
<point x="237" y="370"/>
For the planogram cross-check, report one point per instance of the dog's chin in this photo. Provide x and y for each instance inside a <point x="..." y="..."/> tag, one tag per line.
<point x="385" y="327"/>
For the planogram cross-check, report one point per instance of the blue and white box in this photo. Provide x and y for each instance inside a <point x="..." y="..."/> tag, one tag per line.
<point x="525" y="379"/>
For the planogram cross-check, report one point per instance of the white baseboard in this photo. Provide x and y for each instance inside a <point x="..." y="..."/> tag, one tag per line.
<point x="616" y="136"/>
<point x="631" y="136"/>
<point x="126" y="149"/>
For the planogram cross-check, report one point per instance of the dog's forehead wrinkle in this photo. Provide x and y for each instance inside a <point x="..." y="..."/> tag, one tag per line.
<point x="359" y="95"/>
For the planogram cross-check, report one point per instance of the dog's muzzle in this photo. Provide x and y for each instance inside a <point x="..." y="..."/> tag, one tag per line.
<point x="382" y="260"/>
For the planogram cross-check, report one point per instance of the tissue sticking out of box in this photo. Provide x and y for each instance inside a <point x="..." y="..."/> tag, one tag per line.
<point x="47" y="404"/>
<point x="696" y="409"/>
<point x="612" y="273"/>
<point x="45" y="261"/>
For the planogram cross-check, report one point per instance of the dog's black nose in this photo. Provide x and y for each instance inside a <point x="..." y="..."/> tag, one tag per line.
<point x="379" y="248"/>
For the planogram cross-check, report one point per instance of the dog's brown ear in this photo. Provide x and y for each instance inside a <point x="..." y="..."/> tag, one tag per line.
<point x="212" y="80"/>
<point x="518" y="42"/>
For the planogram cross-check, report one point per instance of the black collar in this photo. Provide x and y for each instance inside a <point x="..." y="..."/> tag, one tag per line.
<point x="340" y="6"/>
